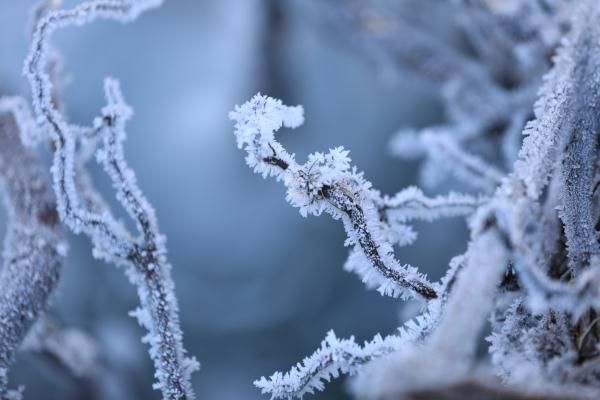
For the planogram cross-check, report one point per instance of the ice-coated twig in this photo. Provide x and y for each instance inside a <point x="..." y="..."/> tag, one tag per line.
<point x="143" y="256"/>
<point x="466" y="167"/>
<point x="446" y="157"/>
<point x="33" y="248"/>
<point x="334" y="357"/>
<point x="92" y="362"/>
<point x="345" y="356"/>
<point x="412" y="204"/>
<point x="565" y="111"/>
<point x="543" y="135"/>
<point x="543" y="294"/>
<point x="408" y="205"/>
<point x="325" y="183"/>
<point x="451" y="337"/>
<point x="455" y="336"/>
<point x="444" y="151"/>
<point x="18" y="107"/>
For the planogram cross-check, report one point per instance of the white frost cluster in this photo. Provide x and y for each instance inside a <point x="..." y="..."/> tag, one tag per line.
<point x="335" y="356"/>
<point x="255" y="125"/>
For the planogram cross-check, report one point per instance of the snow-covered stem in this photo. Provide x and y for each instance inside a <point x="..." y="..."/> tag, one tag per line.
<point x="466" y="167"/>
<point x="33" y="248"/>
<point x="326" y="183"/>
<point x="345" y="356"/>
<point x="412" y="204"/>
<point x="144" y="256"/>
<point x="544" y="294"/>
<point x="334" y="357"/>
<point x="444" y="155"/>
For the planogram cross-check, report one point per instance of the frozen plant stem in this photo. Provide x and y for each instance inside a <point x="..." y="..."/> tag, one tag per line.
<point x="144" y="257"/>
<point x="326" y="183"/>
<point x="33" y="248"/>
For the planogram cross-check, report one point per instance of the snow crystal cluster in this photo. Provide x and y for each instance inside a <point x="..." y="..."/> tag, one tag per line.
<point x="520" y="142"/>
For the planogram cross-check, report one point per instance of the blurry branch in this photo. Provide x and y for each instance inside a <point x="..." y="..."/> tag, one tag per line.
<point x="478" y="390"/>
<point x="71" y="348"/>
<point x="514" y="39"/>
<point x="412" y="204"/>
<point x="412" y="47"/>
<point x="92" y="365"/>
<point x="33" y="247"/>
<point x="446" y="157"/>
<point x="83" y="211"/>
<point x="486" y="93"/>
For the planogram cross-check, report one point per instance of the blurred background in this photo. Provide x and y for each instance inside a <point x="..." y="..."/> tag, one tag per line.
<point x="258" y="285"/>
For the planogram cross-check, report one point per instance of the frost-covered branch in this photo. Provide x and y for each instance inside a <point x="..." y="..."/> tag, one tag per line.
<point x="455" y="335"/>
<point x="144" y="256"/>
<point x="33" y="247"/>
<point x="335" y="356"/>
<point x="444" y="157"/>
<point x="409" y="45"/>
<point x="564" y="136"/>
<point x="345" y="356"/>
<point x="325" y="183"/>
<point x="412" y="204"/>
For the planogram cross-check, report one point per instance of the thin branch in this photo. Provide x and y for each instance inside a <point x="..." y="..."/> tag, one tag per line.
<point x="411" y="204"/>
<point x="345" y="356"/>
<point x="325" y="183"/>
<point x="144" y="256"/>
